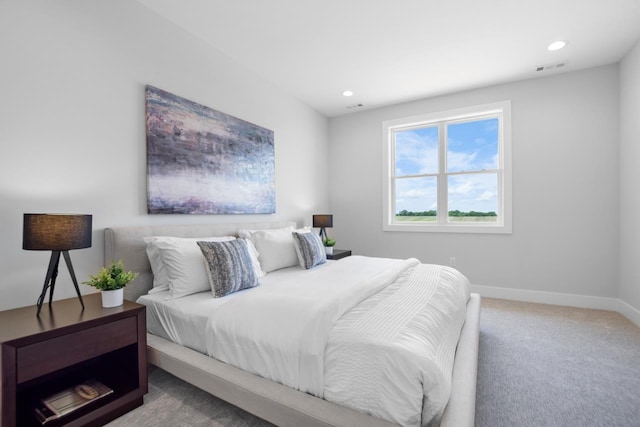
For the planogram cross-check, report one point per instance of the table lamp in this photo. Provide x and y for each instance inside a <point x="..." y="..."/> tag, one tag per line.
<point x="322" y="222"/>
<point x="58" y="233"/>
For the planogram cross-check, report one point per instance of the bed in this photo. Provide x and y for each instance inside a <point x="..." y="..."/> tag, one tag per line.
<point x="267" y="399"/>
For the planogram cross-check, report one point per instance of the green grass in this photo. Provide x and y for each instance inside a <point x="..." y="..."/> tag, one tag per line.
<point x="451" y="219"/>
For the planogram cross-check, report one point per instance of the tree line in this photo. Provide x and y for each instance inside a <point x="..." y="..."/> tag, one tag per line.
<point x="455" y="213"/>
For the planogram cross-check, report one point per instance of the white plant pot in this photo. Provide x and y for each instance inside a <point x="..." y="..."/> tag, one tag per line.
<point x="112" y="298"/>
<point x="328" y="250"/>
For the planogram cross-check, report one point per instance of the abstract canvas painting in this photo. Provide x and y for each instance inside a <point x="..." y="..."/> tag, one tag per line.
<point x="203" y="161"/>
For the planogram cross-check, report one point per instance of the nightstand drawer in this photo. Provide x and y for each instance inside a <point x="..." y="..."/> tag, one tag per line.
<point x="46" y="356"/>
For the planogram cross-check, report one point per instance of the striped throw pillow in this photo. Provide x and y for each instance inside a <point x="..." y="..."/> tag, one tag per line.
<point x="311" y="249"/>
<point x="229" y="266"/>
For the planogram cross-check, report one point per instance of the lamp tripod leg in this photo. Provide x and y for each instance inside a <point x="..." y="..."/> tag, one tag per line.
<point x="54" y="276"/>
<point x="50" y="280"/>
<point x="67" y="259"/>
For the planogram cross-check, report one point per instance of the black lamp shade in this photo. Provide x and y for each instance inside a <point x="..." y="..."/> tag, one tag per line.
<point x="56" y="232"/>
<point x="323" y="221"/>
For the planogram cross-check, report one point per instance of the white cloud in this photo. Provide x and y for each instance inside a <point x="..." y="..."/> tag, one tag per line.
<point x="487" y="195"/>
<point x="415" y="194"/>
<point x="461" y="161"/>
<point x="417" y="154"/>
<point x="464" y="187"/>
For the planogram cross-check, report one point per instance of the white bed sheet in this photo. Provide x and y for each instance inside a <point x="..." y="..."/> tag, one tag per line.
<point x="184" y="320"/>
<point x="295" y="311"/>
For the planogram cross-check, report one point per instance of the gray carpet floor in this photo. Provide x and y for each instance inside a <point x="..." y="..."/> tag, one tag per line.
<point x="539" y="365"/>
<point x="545" y="365"/>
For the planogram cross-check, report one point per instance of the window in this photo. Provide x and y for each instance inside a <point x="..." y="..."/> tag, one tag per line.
<point x="449" y="171"/>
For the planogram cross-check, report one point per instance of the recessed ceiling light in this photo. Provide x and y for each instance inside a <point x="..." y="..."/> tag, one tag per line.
<point x="347" y="93"/>
<point x="557" y="45"/>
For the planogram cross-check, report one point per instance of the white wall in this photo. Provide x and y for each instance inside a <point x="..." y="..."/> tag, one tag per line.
<point x="565" y="188"/>
<point x="629" y="189"/>
<point x="72" y="119"/>
<point x="72" y="79"/>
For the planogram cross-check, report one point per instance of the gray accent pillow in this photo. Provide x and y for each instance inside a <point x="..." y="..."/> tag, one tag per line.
<point x="229" y="266"/>
<point x="311" y="249"/>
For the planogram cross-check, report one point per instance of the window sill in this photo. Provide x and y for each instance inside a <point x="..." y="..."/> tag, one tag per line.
<point x="453" y="228"/>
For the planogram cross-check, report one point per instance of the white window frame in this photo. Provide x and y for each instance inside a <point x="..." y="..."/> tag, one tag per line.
<point x="504" y="224"/>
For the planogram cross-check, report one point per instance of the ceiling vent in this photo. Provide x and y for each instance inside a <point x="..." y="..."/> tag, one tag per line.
<point x="551" y="66"/>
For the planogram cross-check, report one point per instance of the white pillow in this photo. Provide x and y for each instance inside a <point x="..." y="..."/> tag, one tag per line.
<point x="179" y="264"/>
<point x="160" y="278"/>
<point x="276" y="248"/>
<point x="253" y="254"/>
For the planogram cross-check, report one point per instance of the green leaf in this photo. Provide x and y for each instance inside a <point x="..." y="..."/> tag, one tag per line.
<point x="111" y="278"/>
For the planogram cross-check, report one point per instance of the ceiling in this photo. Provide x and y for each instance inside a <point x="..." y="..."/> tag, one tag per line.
<point x="389" y="51"/>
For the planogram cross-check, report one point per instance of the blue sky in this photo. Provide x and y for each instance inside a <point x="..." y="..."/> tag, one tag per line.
<point x="471" y="146"/>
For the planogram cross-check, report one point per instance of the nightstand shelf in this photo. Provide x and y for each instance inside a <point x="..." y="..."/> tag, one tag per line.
<point x="339" y="254"/>
<point x="66" y="346"/>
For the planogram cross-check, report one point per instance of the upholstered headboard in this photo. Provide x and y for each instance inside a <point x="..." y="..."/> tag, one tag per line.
<point x="127" y="244"/>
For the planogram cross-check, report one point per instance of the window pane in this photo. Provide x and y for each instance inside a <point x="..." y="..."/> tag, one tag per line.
<point x="416" y="199"/>
<point x="416" y="151"/>
<point x="472" y="146"/>
<point x="473" y="197"/>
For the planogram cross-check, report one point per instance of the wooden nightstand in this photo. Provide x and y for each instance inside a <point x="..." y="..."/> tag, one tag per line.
<point x="339" y="254"/>
<point x="66" y="345"/>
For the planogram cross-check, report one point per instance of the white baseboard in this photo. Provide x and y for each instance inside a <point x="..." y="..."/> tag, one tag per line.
<point x="570" y="300"/>
<point x="629" y="312"/>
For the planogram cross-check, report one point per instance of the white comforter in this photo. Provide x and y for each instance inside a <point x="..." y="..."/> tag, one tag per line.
<point x="382" y="357"/>
<point x="392" y="355"/>
<point x="374" y="334"/>
<point x="280" y="332"/>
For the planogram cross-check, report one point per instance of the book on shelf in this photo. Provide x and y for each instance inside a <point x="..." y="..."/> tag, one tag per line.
<point x="70" y="399"/>
<point x="44" y="414"/>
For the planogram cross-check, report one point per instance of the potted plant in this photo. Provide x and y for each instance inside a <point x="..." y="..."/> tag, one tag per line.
<point x="111" y="281"/>
<point x="329" y="243"/>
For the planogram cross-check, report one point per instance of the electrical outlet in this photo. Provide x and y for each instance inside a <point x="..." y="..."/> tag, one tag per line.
<point x="452" y="261"/>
